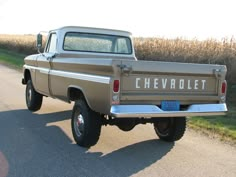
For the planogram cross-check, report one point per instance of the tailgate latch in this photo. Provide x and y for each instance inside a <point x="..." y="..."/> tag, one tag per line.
<point x="125" y="69"/>
<point x="217" y="73"/>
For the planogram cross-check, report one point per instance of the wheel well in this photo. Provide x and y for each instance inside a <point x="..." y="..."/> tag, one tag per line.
<point x="75" y="94"/>
<point x="27" y="75"/>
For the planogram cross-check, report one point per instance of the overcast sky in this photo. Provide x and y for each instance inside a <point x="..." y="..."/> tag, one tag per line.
<point x="154" y="18"/>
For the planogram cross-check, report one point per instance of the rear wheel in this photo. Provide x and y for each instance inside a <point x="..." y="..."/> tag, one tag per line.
<point x="170" y="129"/>
<point x="126" y="125"/>
<point x="32" y="97"/>
<point x="86" y="124"/>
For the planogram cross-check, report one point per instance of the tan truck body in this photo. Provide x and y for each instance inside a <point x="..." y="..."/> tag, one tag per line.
<point x="142" y="85"/>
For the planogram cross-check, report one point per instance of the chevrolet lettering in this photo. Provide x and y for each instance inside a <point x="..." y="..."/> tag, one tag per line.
<point x="164" y="83"/>
<point x="96" y="69"/>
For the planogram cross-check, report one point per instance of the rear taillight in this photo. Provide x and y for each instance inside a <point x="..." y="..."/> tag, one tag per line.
<point x="224" y="87"/>
<point x="116" y="86"/>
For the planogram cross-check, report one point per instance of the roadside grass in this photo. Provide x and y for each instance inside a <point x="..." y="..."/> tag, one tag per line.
<point x="223" y="127"/>
<point x="12" y="59"/>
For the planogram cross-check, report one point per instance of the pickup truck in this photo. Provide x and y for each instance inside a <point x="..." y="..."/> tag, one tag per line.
<point x="98" y="71"/>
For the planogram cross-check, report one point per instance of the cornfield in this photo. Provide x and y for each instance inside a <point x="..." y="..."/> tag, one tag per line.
<point x="25" y="44"/>
<point x="157" y="49"/>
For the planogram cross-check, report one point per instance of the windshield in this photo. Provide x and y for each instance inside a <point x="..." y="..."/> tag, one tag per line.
<point x="101" y="43"/>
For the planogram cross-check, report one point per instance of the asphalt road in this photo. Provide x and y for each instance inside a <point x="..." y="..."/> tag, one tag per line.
<point x="41" y="145"/>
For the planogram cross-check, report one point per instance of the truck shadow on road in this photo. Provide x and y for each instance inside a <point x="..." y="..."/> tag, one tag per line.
<point x="35" y="140"/>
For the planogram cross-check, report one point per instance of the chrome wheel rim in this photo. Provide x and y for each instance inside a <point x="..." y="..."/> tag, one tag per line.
<point x="79" y="124"/>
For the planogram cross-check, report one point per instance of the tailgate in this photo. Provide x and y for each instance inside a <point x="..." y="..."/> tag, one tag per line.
<point x="151" y="82"/>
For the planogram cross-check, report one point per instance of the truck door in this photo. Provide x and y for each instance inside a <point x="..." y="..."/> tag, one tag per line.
<point x="44" y="62"/>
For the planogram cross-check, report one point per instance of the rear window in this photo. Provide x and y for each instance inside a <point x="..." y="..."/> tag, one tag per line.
<point x="100" y="43"/>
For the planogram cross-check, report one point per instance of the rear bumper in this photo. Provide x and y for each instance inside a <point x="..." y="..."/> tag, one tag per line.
<point x="148" y="111"/>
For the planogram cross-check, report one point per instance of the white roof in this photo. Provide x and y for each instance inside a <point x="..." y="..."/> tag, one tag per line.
<point x="93" y="30"/>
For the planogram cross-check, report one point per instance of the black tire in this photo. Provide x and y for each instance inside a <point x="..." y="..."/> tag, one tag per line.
<point x="33" y="99"/>
<point x="86" y="124"/>
<point x="170" y="129"/>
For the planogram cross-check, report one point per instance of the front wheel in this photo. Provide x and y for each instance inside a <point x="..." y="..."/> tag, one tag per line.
<point x="32" y="97"/>
<point x="170" y="129"/>
<point x="86" y="124"/>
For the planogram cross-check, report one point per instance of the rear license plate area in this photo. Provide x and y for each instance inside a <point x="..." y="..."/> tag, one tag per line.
<point x="170" y="105"/>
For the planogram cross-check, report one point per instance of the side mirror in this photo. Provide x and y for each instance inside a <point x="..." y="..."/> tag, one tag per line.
<point x="39" y="42"/>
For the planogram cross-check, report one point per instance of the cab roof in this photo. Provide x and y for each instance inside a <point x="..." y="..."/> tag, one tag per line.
<point x="92" y="30"/>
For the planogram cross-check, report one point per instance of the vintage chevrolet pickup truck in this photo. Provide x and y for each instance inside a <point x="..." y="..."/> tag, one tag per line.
<point x="97" y="69"/>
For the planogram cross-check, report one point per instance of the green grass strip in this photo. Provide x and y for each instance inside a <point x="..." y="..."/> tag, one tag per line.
<point x="12" y="58"/>
<point x="223" y="126"/>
